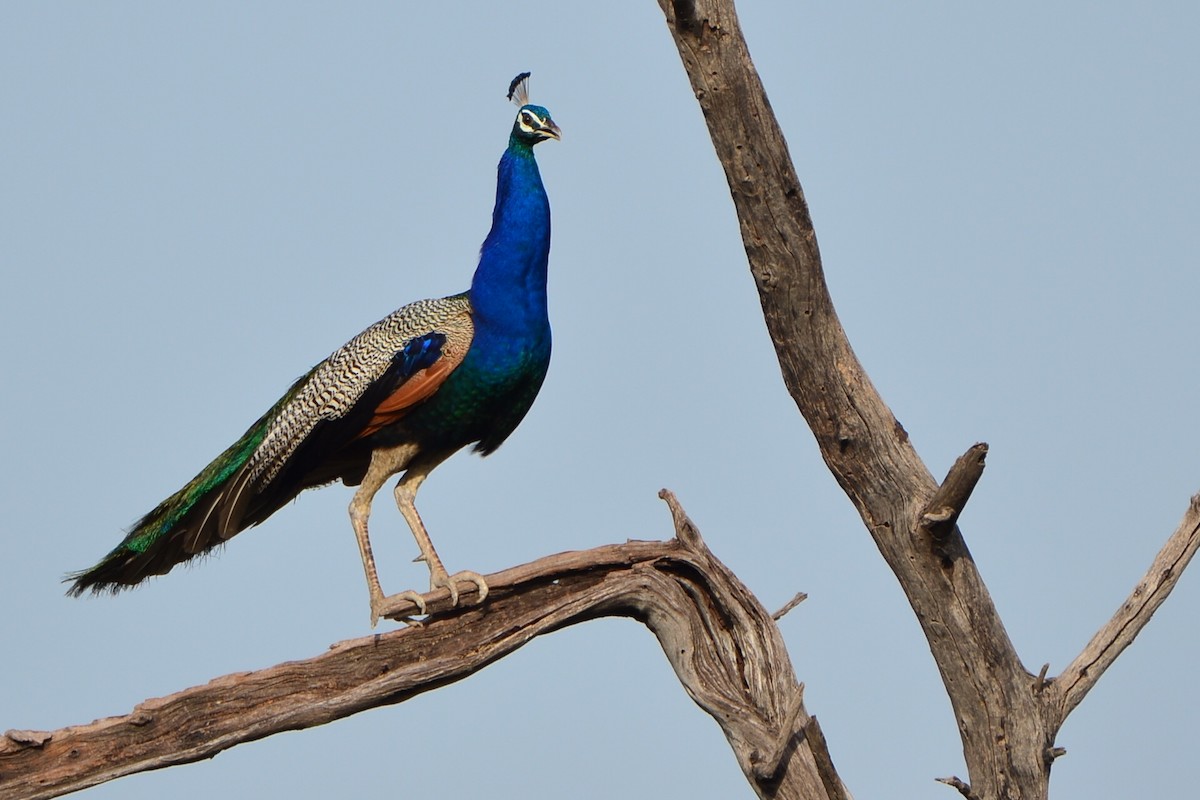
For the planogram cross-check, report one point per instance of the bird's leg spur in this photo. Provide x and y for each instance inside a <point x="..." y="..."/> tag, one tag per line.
<point x="406" y="495"/>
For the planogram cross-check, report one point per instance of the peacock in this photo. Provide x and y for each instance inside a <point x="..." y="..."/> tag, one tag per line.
<point x="401" y="397"/>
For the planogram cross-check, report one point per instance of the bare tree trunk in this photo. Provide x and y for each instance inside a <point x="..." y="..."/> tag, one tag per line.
<point x="1007" y="717"/>
<point x="725" y="648"/>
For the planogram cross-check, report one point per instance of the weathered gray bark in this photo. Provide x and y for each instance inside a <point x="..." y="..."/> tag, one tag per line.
<point x="723" y="644"/>
<point x="1007" y="717"/>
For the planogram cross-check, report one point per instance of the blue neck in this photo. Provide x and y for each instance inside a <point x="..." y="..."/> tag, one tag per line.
<point x="509" y="287"/>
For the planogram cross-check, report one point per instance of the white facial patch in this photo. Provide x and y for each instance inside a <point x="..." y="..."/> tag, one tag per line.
<point x="529" y="122"/>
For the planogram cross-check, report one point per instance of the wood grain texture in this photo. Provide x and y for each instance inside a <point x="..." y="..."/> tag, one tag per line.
<point x="1007" y="717"/>
<point x="1068" y="689"/>
<point x="722" y="643"/>
<point x="724" y="647"/>
<point x="865" y="447"/>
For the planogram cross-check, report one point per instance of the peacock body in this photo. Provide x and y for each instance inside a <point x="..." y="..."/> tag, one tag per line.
<point x="409" y="391"/>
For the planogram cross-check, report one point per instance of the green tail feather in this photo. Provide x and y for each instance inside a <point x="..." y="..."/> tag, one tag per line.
<point x="191" y="521"/>
<point x="166" y="517"/>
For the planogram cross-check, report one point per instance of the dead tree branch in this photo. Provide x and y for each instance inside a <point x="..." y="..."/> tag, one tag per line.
<point x="724" y="647"/>
<point x="941" y="512"/>
<point x="1007" y="729"/>
<point x="963" y="788"/>
<point x="722" y="643"/>
<point x="1081" y="675"/>
<point x="866" y="449"/>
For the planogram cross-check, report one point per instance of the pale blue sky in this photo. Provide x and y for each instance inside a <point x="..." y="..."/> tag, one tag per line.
<point x="199" y="201"/>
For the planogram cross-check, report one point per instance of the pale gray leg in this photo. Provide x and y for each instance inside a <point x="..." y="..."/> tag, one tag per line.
<point x="406" y="496"/>
<point x="384" y="464"/>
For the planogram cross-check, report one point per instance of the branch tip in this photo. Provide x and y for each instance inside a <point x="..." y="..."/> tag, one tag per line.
<point x="963" y="787"/>
<point x="941" y="512"/>
<point x="1040" y="683"/>
<point x="1119" y="632"/>
<point x="685" y="530"/>
<point x="789" y="605"/>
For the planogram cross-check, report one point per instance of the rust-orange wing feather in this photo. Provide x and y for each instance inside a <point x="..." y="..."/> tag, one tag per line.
<point x="424" y="383"/>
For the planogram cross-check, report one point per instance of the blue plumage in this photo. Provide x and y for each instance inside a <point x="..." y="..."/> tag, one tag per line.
<point x="401" y="397"/>
<point x="420" y="353"/>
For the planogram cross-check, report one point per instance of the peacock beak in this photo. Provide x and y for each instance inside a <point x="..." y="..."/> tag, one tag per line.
<point x="552" y="131"/>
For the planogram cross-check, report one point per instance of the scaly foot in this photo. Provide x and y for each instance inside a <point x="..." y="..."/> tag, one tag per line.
<point x="436" y="581"/>
<point x="439" y="578"/>
<point x="377" y="604"/>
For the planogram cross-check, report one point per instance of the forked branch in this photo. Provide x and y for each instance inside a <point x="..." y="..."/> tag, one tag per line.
<point x="721" y="642"/>
<point x="865" y="447"/>
<point x="1007" y="727"/>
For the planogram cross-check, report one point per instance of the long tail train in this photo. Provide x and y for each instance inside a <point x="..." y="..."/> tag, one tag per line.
<point x="203" y="514"/>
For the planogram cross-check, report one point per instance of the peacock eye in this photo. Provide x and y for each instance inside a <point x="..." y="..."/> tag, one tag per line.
<point x="527" y="118"/>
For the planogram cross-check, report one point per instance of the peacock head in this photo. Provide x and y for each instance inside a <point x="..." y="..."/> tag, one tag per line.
<point x="533" y="123"/>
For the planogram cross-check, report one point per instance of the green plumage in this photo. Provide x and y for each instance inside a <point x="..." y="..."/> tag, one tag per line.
<point x="401" y="397"/>
<point x="169" y="512"/>
<point x="137" y="551"/>
<point x="306" y="439"/>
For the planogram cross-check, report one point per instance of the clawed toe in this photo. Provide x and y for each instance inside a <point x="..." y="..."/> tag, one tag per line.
<point x="380" y="605"/>
<point x="378" y="608"/>
<point x="450" y="583"/>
